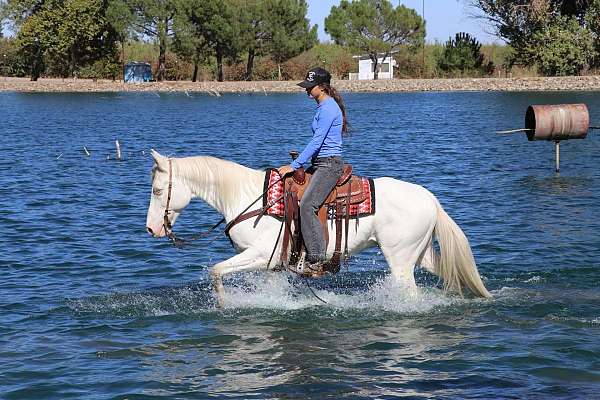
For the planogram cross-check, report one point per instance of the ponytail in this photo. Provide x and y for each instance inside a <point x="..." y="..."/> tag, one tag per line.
<point x="331" y="91"/>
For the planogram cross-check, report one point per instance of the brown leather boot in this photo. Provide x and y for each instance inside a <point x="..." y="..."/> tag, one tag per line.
<point x="315" y="270"/>
<point x="308" y="270"/>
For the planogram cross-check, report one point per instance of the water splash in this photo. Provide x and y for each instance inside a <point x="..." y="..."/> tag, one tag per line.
<point x="282" y="292"/>
<point x="269" y="292"/>
<point x="188" y="300"/>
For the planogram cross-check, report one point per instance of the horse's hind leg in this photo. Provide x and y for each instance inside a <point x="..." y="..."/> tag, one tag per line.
<point x="248" y="260"/>
<point x="401" y="261"/>
<point x="402" y="256"/>
<point x="428" y="258"/>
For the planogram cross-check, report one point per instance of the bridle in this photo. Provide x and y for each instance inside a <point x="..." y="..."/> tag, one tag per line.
<point x="179" y="242"/>
<point x="168" y="227"/>
<point x="166" y="223"/>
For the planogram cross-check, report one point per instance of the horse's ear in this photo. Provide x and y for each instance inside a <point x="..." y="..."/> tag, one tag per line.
<point x="158" y="159"/>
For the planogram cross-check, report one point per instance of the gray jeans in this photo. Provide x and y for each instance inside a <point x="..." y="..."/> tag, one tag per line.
<point x="327" y="171"/>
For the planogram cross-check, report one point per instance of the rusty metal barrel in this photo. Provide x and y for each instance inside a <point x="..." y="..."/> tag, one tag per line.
<point x="557" y="122"/>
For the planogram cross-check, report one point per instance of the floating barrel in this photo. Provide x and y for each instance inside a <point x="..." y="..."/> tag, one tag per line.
<point x="557" y="122"/>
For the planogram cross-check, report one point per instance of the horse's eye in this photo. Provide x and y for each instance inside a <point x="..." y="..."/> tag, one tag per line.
<point x="157" y="192"/>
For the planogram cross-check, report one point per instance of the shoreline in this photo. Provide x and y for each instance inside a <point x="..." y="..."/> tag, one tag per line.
<point x="570" y="83"/>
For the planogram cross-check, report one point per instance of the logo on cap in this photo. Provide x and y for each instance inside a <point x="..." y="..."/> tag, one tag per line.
<point x="311" y="76"/>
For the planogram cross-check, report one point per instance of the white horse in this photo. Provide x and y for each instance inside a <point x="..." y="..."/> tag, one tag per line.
<point x="407" y="219"/>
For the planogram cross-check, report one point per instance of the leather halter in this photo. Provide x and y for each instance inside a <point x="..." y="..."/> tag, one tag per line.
<point x="166" y="223"/>
<point x="168" y="227"/>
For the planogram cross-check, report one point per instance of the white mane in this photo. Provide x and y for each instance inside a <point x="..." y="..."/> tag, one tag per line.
<point x="223" y="184"/>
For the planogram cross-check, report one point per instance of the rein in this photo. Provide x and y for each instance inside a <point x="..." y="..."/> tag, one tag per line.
<point x="180" y="242"/>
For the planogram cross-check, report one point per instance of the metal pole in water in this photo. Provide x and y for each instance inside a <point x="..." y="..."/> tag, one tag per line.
<point x="557" y="156"/>
<point x="118" y="149"/>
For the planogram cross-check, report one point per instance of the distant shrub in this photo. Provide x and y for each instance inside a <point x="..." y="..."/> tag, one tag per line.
<point x="563" y="48"/>
<point x="11" y="63"/>
<point x="336" y="59"/>
<point x="409" y="61"/>
<point x="101" y="69"/>
<point x="176" y="68"/>
<point x="463" y="54"/>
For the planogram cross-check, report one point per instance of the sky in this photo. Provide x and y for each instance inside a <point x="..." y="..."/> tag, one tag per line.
<point x="444" y="18"/>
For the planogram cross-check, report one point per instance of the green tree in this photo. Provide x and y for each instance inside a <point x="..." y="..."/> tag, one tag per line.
<point x="278" y="28"/>
<point x="64" y="36"/>
<point x="11" y="64"/>
<point x="121" y="18"/>
<point x="84" y="35"/>
<point x="516" y="22"/>
<point x="254" y="30"/>
<point x="563" y="48"/>
<point x="289" y="30"/>
<point x="16" y="12"/>
<point x="187" y="44"/>
<point x="154" y="18"/>
<point x="523" y="22"/>
<point x="215" y="22"/>
<point x="374" y="27"/>
<point x="592" y="22"/>
<point x="32" y="41"/>
<point x="463" y="53"/>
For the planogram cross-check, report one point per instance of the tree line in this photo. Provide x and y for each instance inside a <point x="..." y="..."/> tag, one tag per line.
<point x="88" y="38"/>
<point x="70" y="37"/>
<point x="557" y="37"/>
<point x="60" y="37"/>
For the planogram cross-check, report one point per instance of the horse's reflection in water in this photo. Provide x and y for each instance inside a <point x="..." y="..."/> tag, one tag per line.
<point x="407" y="220"/>
<point x="274" y="353"/>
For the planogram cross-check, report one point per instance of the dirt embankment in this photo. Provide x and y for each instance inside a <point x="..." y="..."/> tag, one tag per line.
<point x="388" y="85"/>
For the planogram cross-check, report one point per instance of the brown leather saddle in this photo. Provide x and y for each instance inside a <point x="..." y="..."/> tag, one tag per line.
<point x="341" y="205"/>
<point x="348" y="191"/>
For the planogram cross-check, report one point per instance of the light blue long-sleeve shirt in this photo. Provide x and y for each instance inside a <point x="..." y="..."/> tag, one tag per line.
<point x="327" y="134"/>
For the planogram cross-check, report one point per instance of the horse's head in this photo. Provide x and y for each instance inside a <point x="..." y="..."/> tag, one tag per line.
<point x="169" y="197"/>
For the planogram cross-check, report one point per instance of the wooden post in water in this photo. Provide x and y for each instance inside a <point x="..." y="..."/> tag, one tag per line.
<point x="557" y="143"/>
<point x="118" y="150"/>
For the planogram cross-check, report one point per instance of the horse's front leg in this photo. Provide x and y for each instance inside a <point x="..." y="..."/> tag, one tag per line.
<point x="248" y="260"/>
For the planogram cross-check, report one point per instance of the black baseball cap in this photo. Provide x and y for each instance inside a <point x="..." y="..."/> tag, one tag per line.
<point x="314" y="77"/>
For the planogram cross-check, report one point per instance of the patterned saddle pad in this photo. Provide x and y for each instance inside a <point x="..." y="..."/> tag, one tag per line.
<point x="273" y="197"/>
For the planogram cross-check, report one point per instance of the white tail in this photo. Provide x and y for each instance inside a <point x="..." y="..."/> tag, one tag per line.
<point x="455" y="263"/>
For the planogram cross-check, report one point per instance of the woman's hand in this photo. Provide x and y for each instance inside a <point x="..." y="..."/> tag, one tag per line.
<point x="286" y="169"/>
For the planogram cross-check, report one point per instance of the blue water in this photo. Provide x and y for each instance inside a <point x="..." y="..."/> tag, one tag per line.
<point x="91" y="307"/>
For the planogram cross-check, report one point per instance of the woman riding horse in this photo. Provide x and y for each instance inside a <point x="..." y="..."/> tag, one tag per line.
<point x="325" y="153"/>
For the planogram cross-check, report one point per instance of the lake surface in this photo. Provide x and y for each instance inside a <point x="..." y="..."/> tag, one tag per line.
<point x="91" y="307"/>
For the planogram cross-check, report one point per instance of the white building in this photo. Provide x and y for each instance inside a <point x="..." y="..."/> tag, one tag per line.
<point x="366" y="68"/>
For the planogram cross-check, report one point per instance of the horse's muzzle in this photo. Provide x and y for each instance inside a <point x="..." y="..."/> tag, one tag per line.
<point x="160" y="232"/>
<point x="154" y="234"/>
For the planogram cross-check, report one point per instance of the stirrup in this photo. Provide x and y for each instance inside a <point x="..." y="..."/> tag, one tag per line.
<point x="306" y="269"/>
<point x="298" y="268"/>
